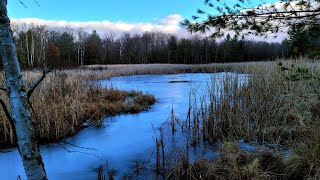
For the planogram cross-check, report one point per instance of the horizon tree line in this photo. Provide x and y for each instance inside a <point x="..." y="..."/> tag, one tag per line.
<point x="43" y="46"/>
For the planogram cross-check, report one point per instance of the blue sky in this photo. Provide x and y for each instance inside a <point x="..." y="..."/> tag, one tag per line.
<point x="98" y="10"/>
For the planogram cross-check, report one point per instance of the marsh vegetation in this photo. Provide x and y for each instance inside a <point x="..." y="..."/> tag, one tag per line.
<point x="276" y="111"/>
<point x="67" y="102"/>
<point x="270" y="107"/>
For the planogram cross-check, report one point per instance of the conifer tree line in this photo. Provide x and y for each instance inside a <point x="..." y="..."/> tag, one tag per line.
<point x="43" y="46"/>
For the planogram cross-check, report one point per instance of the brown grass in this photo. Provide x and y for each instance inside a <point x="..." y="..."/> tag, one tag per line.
<point x="65" y="101"/>
<point x="133" y="69"/>
<point x="235" y="163"/>
<point x="274" y="110"/>
<point x="270" y="109"/>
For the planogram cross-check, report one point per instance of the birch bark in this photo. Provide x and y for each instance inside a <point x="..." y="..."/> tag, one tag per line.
<point x="20" y="113"/>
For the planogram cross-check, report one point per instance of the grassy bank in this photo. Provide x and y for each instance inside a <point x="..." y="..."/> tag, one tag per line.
<point x="278" y="108"/>
<point x="64" y="103"/>
<point x="134" y="69"/>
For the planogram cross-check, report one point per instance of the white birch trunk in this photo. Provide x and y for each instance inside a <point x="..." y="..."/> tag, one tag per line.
<point x="27" y="46"/>
<point x="43" y="43"/>
<point x="20" y="113"/>
<point x="83" y="48"/>
<point x="32" y="51"/>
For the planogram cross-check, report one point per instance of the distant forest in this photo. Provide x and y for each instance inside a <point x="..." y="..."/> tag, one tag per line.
<point x="42" y="46"/>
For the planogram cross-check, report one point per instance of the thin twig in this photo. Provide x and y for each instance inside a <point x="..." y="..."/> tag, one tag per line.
<point x="3" y="89"/>
<point x="143" y="166"/>
<point x="22" y="3"/>
<point x="36" y="3"/>
<point x="6" y="111"/>
<point x="80" y="147"/>
<point x="35" y="85"/>
<point x="72" y="151"/>
<point x="5" y="151"/>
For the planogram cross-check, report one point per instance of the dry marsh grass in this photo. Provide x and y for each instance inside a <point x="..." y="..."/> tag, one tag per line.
<point x="273" y="110"/>
<point x="65" y="101"/>
<point x="235" y="163"/>
<point x="133" y="69"/>
<point x="278" y="108"/>
<point x="270" y="109"/>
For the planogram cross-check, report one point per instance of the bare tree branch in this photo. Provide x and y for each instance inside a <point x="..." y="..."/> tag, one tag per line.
<point x="22" y="3"/>
<point x="5" y="151"/>
<point x="26" y="6"/>
<point x="6" y="111"/>
<point x="3" y="89"/>
<point x="34" y="86"/>
<point x="36" y="2"/>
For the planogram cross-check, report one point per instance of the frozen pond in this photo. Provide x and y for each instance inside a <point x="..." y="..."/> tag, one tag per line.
<point x="124" y="139"/>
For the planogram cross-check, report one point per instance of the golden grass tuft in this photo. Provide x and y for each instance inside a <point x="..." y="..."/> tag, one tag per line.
<point x="235" y="163"/>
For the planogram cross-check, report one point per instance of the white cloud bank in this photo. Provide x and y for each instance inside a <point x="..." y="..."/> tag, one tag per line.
<point x="169" y="24"/>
